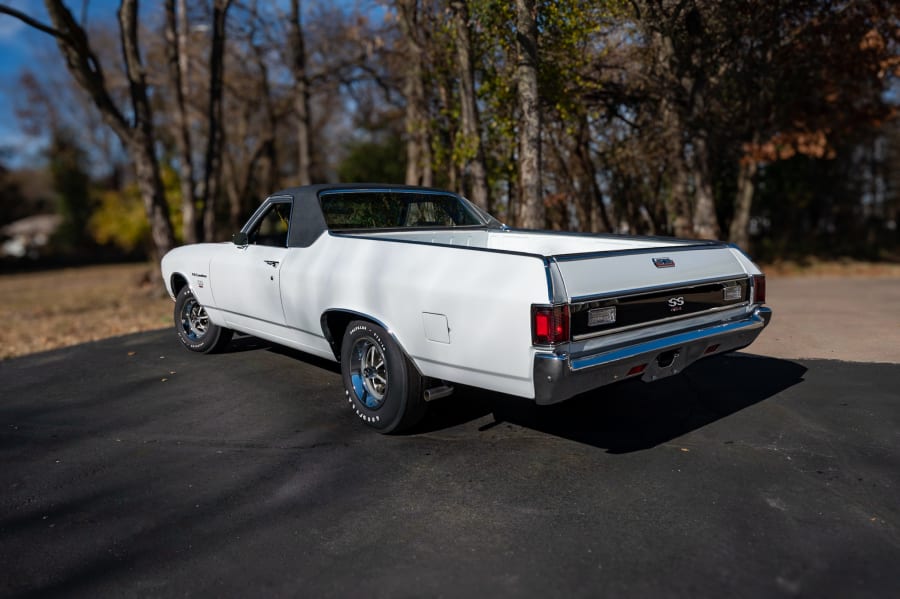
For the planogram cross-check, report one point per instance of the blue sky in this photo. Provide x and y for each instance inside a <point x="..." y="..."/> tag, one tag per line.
<point x="17" y="43"/>
<point x="22" y="46"/>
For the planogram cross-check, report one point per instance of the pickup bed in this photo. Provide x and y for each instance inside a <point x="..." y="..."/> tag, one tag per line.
<point x="414" y="290"/>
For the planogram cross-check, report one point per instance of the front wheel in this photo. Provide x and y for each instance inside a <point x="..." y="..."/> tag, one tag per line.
<point x="381" y="385"/>
<point x="195" y="330"/>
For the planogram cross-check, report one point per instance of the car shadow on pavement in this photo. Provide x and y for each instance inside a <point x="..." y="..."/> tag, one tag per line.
<point x="242" y="343"/>
<point x="620" y="418"/>
<point x="632" y="415"/>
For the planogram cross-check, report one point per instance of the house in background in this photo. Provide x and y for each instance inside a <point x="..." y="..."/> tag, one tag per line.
<point x="27" y="236"/>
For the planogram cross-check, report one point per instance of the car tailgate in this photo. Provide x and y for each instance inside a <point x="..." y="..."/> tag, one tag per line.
<point x="587" y="275"/>
<point x="615" y="290"/>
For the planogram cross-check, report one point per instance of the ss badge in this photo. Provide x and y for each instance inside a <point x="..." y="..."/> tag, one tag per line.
<point x="676" y="303"/>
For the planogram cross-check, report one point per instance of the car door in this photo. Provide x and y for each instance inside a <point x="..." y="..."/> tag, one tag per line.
<point x="245" y="279"/>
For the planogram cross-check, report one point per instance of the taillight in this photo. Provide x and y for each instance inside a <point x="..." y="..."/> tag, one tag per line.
<point x="549" y="324"/>
<point x="759" y="289"/>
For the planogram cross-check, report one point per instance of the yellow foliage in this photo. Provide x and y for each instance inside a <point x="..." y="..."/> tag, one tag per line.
<point x="121" y="220"/>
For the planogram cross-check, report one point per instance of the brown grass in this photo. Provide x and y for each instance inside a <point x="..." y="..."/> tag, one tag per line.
<point x="48" y="310"/>
<point x="812" y="267"/>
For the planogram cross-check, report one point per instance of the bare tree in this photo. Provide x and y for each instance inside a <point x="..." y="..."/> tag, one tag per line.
<point x="136" y="132"/>
<point x="531" y="212"/>
<point x="297" y="42"/>
<point x="212" y="172"/>
<point x="253" y="111"/>
<point x="473" y="149"/>
<point x="418" y="145"/>
<point x="179" y="60"/>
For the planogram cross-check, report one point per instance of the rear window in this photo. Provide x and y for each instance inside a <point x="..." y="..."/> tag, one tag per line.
<point x="395" y="209"/>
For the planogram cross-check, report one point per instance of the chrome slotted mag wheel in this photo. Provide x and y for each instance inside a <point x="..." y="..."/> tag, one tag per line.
<point x="368" y="373"/>
<point x="194" y="320"/>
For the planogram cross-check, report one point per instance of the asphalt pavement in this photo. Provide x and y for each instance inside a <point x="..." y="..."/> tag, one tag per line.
<point x="131" y="467"/>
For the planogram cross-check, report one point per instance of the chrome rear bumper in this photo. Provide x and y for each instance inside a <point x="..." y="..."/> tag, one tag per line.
<point x="558" y="377"/>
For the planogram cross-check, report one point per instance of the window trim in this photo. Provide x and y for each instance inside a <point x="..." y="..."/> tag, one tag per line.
<point x="261" y="213"/>
<point x="469" y="208"/>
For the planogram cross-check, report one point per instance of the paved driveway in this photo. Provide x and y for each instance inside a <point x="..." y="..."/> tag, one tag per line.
<point x="132" y="467"/>
<point x="854" y="319"/>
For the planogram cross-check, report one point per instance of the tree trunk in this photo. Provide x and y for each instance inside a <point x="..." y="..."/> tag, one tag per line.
<point x="532" y="213"/>
<point x="153" y="195"/>
<point x="212" y="175"/>
<point x="678" y="203"/>
<point x="301" y="95"/>
<point x="418" y="146"/>
<point x="594" y="212"/>
<point x="470" y="128"/>
<point x="142" y="140"/>
<point x="705" y="222"/>
<point x="177" y="52"/>
<point x="739" y="231"/>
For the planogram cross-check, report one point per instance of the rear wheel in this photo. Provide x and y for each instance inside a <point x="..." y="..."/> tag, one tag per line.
<point x="195" y="331"/>
<point x="381" y="385"/>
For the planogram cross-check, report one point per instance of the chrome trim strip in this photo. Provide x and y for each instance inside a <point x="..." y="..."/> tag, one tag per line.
<point x="584" y="299"/>
<point x="549" y="280"/>
<point x="344" y="233"/>
<point x="258" y="213"/>
<point x="756" y="320"/>
<point x="635" y="251"/>
<point x="557" y="357"/>
<point x="735" y="246"/>
<point x="649" y="323"/>
<point x="555" y="282"/>
<point x="674" y="241"/>
<point x="377" y="189"/>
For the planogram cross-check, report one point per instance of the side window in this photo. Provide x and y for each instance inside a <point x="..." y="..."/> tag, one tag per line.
<point x="272" y="228"/>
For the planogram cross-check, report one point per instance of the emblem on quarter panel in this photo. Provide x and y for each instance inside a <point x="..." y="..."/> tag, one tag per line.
<point x="663" y="262"/>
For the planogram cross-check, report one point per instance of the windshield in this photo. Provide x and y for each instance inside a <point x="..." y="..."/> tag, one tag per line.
<point x="397" y="209"/>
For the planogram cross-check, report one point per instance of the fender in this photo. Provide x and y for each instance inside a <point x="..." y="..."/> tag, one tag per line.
<point x="349" y="315"/>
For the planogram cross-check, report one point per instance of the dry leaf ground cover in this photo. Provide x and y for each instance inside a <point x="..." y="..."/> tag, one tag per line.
<point x="46" y="310"/>
<point x="51" y="309"/>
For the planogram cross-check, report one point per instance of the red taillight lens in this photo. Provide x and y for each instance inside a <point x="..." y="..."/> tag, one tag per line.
<point x="549" y="324"/>
<point x="759" y="289"/>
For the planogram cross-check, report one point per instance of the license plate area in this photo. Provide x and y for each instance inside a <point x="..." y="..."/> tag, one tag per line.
<point x="664" y="364"/>
<point x="605" y="315"/>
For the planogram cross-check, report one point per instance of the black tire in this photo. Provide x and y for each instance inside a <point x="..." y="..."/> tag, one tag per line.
<point x="195" y="331"/>
<point x="381" y="385"/>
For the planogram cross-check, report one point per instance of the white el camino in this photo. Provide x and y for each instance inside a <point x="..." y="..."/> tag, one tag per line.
<point x="414" y="290"/>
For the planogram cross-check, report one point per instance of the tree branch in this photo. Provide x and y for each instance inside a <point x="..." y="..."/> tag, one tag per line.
<point x="4" y="9"/>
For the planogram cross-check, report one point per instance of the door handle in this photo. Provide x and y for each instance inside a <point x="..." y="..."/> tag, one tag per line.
<point x="272" y="263"/>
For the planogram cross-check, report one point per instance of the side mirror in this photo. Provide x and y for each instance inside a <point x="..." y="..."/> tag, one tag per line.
<point x="240" y="239"/>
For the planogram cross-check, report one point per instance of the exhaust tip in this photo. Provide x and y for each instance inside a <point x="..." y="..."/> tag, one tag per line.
<point x="437" y="392"/>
